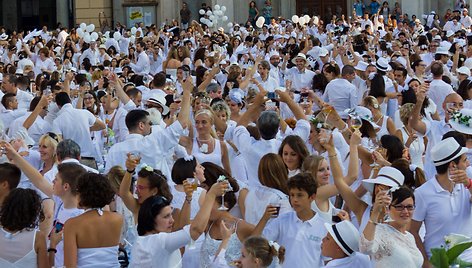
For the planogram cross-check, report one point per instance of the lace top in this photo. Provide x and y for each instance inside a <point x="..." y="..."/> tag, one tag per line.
<point x="391" y="248"/>
<point x="17" y="250"/>
<point x="210" y="247"/>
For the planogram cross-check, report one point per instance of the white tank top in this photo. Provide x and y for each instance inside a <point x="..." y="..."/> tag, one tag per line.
<point x="214" y="157"/>
<point x="106" y="257"/>
<point x="17" y="250"/>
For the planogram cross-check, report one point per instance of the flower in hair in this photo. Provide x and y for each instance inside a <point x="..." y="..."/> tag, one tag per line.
<point x="145" y="167"/>
<point x="188" y="158"/>
<point x="221" y="178"/>
<point x="275" y="245"/>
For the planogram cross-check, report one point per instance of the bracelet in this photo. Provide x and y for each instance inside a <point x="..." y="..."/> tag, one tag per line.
<point x="331" y="156"/>
<point x="470" y="184"/>
<point x="189" y="200"/>
<point x="52" y="250"/>
<point x="130" y="171"/>
<point x="371" y="221"/>
<point x="344" y="129"/>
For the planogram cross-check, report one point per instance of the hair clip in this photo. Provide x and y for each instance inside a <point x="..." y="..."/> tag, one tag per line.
<point x="275" y="245"/>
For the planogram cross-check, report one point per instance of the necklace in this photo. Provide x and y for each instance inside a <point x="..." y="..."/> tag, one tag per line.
<point x="377" y="121"/>
<point x="99" y="210"/>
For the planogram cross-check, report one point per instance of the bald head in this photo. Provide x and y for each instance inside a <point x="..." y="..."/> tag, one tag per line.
<point x="456" y="102"/>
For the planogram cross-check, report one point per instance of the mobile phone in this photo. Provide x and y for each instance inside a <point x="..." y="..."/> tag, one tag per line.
<point x="185" y="75"/>
<point x="271" y="95"/>
<point x="59" y="226"/>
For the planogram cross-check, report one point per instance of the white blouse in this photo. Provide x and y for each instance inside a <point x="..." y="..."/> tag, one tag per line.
<point x="391" y="248"/>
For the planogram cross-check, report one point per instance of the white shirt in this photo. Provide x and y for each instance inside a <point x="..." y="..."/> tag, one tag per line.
<point x="438" y="91"/>
<point x="466" y="21"/>
<point x="342" y="95"/>
<point x="91" y="54"/>
<point x="259" y="197"/>
<point x="40" y="65"/>
<point x="270" y="84"/>
<point x="443" y="213"/>
<point x="356" y="260"/>
<point x="160" y="250"/>
<point x="361" y="87"/>
<point x="75" y="124"/>
<point x="142" y="65"/>
<point x="153" y="148"/>
<point x="253" y="150"/>
<point x="8" y="116"/>
<point x="24" y="99"/>
<point x="300" y="79"/>
<point x="302" y="240"/>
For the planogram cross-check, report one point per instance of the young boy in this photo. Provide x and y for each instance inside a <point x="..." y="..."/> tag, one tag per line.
<point x="300" y="231"/>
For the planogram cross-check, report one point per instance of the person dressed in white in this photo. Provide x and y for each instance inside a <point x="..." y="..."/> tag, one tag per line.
<point x="91" y="53"/>
<point x="389" y="244"/>
<point x="84" y="122"/>
<point x="341" y="244"/>
<point x="9" y="86"/>
<point x="157" y="245"/>
<point x="340" y="93"/>
<point x="443" y="202"/>
<point x="299" y="77"/>
<point x="142" y="65"/>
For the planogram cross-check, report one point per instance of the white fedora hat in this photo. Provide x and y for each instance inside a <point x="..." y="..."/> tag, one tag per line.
<point x="464" y="70"/>
<point x="446" y="151"/>
<point x="443" y="51"/>
<point x="346" y="236"/>
<point x="462" y="121"/>
<point x="382" y="64"/>
<point x="160" y="100"/>
<point x="361" y="66"/>
<point x="300" y="56"/>
<point x="387" y="176"/>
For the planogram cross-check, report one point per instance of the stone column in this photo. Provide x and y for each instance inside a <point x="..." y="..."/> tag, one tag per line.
<point x="62" y="12"/>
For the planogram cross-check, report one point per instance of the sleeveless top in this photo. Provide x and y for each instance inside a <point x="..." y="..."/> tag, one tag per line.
<point x="214" y="157"/>
<point x="210" y="247"/>
<point x="106" y="257"/>
<point x="416" y="149"/>
<point x="383" y="128"/>
<point x="17" y="250"/>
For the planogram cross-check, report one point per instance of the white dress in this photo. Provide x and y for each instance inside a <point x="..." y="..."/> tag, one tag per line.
<point x="391" y="248"/>
<point x="17" y="250"/>
<point x="416" y="149"/>
<point x="98" y="257"/>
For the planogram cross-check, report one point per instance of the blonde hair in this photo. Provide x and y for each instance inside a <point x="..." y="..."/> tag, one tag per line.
<point x="49" y="141"/>
<point x="405" y="112"/>
<point x="115" y="176"/>
<point x="372" y="102"/>
<point x="311" y="165"/>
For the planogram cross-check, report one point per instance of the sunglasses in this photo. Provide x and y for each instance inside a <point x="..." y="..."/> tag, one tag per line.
<point x="53" y="136"/>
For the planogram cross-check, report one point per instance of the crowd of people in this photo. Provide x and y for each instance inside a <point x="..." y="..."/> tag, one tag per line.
<point x="301" y="143"/>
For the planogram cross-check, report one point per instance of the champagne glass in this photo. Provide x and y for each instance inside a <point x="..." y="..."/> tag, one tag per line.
<point x="224" y="179"/>
<point x="373" y="145"/>
<point x="193" y="182"/>
<point x="327" y="110"/>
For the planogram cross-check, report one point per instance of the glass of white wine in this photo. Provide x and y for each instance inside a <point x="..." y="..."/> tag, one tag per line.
<point x="356" y="121"/>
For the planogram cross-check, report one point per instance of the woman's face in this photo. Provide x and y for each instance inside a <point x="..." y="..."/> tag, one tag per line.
<point x="222" y="116"/>
<point x="143" y="190"/>
<point x="247" y="260"/>
<point x="203" y="124"/>
<point x="323" y="173"/>
<point x="164" y="220"/>
<point x="199" y="173"/>
<point x="89" y="101"/>
<point x="290" y="157"/>
<point x="236" y="43"/>
<point x="46" y="151"/>
<point x="234" y="107"/>
<point x="69" y="53"/>
<point x="403" y="212"/>
<point x="415" y="85"/>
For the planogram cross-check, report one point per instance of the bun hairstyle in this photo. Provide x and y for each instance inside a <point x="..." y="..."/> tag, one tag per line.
<point x="260" y="248"/>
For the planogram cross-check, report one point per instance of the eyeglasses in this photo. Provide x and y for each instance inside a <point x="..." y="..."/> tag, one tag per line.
<point x="141" y="187"/>
<point x="402" y="207"/>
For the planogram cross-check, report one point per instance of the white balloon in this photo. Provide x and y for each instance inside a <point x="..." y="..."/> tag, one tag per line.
<point x="209" y="13"/>
<point x="259" y="23"/>
<point x="301" y="21"/>
<point x="212" y="17"/>
<point x="80" y="32"/>
<point x="295" y="18"/>
<point x="202" y="20"/>
<point x="230" y="25"/>
<point x="87" y="39"/>
<point x="201" y="12"/>
<point x="210" y="24"/>
<point x="225" y="18"/>
<point x="90" y="28"/>
<point x="217" y="7"/>
<point x="261" y="19"/>
<point x="307" y="18"/>
<point x="223" y="8"/>
<point x="134" y="30"/>
<point x="316" y="20"/>
<point x="117" y="36"/>
<point x="94" y="36"/>
<point x="86" y="34"/>
<point x="218" y="13"/>
<point x="83" y="26"/>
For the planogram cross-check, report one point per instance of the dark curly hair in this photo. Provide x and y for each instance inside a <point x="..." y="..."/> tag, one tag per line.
<point x="95" y="190"/>
<point x="157" y="180"/>
<point x="21" y="210"/>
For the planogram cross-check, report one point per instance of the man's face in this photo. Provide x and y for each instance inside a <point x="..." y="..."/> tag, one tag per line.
<point x="398" y="76"/>
<point x="7" y="87"/>
<point x="275" y="60"/>
<point x="216" y="94"/>
<point x="300" y="64"/>
<point x="139" y="48"/>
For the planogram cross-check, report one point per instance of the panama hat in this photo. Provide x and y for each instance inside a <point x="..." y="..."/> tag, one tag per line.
<point x="387" y="176"/>
<point x="446" y="151"/>
<point x="346" y="236"/>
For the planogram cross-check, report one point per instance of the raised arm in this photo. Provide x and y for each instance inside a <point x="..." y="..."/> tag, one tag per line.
<point x="184" y="115"/>
<point x="184" y="215"/>
<point x="355" y="204"/>
<point x="253" y="108"/>
<point x="130" y="202"/>
<point x="415" y="118"/>
<point x="43" y="102"/>
<point x="296" y="109"/>
<point x="33" y="175"/>
<point x="120" y="92"/>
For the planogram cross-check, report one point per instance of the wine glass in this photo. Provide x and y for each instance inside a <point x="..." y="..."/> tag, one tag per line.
<point x="373" y="145"/>
<point x="327" y="110"/>
<point x="356" y="121"/>
<point x="387" y="217"/>
<point x="223" y="207"/>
